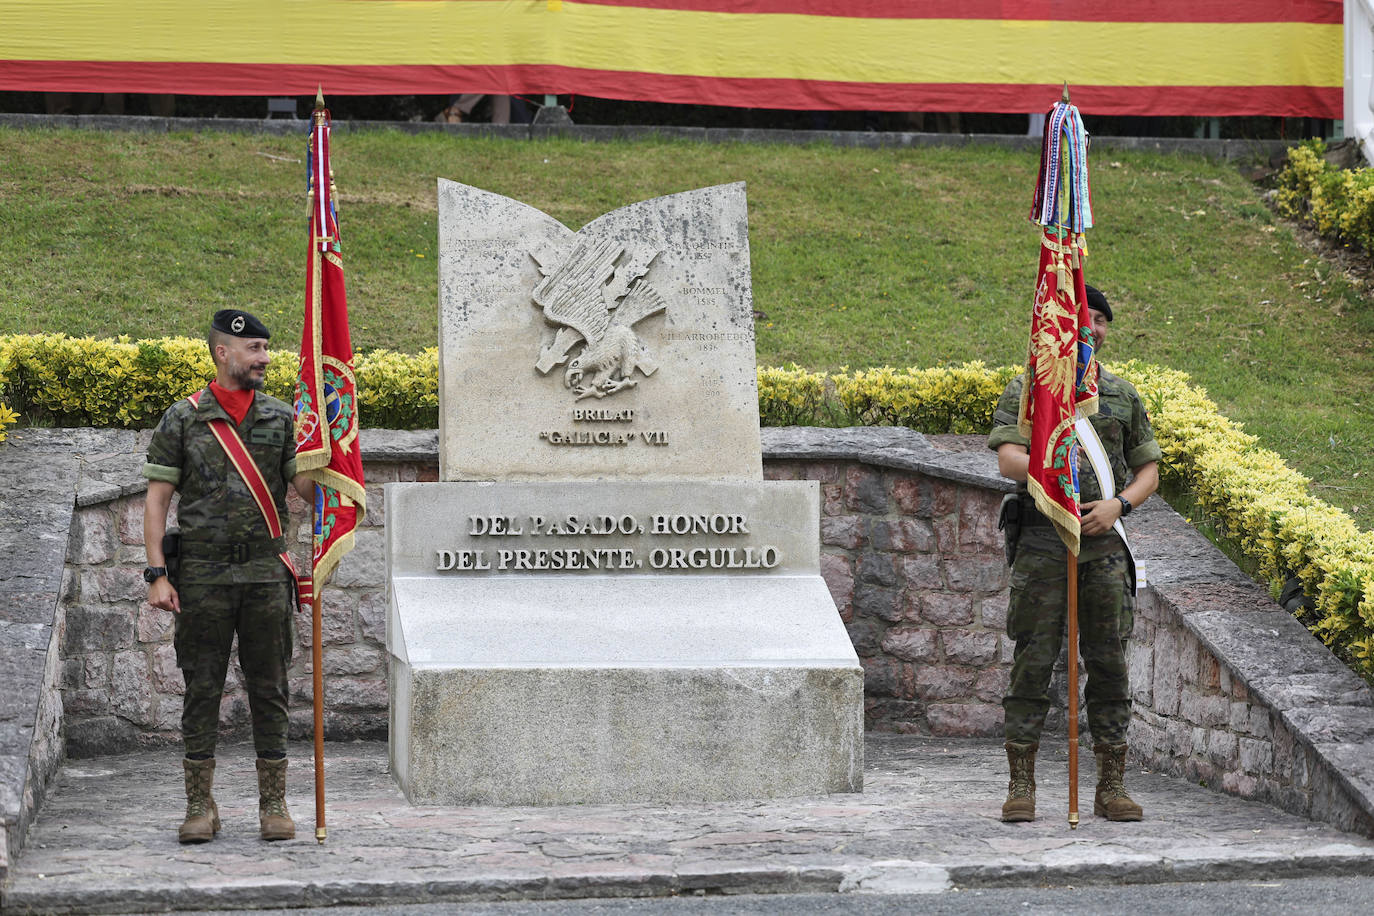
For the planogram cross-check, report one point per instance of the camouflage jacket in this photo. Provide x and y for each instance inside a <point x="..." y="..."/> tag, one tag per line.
<point x="216" y="510"/>
<point x="1121" y="423"/>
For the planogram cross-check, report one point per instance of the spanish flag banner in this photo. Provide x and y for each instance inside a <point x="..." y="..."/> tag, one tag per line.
<point x="327" y="448"/>
<point x="1123" y="57"/>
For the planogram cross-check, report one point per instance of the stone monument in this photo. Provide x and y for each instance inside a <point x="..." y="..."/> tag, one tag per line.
<point x="601" y="600"/>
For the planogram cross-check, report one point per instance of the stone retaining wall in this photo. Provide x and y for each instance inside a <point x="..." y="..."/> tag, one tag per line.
<point x="120" y="683"/>
<point x="40" y="471"/>
<point x="1229" y="689"/>
<point x="913" y="561"/>
<point x="1229" y="149"/>
<point x="1232" y="692"/>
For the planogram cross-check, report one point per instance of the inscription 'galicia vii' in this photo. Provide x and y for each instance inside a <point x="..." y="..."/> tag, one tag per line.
<point x="596" y="295"/>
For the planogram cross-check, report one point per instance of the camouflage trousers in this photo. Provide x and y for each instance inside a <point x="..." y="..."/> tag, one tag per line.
<point x="260" y="613"/>
<point x="1037" y="619"/>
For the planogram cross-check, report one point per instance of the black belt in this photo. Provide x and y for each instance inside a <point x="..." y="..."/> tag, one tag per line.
<point x="231" y="552"/>
<point x="1032" y="517"/>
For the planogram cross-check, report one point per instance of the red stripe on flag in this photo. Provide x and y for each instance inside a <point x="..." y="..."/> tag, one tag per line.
<point x="272" y="79"/>
<point x="1328" y="12"/>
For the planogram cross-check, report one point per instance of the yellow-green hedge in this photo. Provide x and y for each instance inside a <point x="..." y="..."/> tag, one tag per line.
<point x="1265" y="507"/>
<point x="53" y="379"/>
<point x="955" y="399"/>
<point x="1340" y="201"/>
<point x="1259" y="502"/>
<point x="7" y="416"/>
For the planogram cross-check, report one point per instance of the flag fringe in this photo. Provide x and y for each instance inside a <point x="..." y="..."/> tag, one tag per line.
<point x="1065" y="522"/>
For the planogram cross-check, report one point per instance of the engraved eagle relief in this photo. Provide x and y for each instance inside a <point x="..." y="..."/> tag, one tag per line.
<point x="595" y="294"/>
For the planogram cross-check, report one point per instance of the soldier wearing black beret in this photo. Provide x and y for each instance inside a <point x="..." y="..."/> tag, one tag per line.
<point x="232" y="579"/>
<point x="1106" y="578"/>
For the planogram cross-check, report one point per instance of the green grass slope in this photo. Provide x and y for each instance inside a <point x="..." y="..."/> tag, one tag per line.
<point x="860" y="257"/>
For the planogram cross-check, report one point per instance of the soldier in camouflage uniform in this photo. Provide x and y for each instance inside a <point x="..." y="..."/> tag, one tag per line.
<point x="232" y="579"/>
<point x="1106" y="603"/>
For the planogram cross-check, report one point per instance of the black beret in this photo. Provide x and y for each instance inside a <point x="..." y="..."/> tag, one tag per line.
<point x="238" y="323"/>
<point x="1098" y="301"/>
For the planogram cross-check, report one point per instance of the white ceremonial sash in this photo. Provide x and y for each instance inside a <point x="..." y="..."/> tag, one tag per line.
<point x="1102" y="469"/>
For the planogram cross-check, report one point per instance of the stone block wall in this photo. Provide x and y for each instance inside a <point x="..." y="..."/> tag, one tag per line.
<point x="915" y="566"/>
<point x="913" y="562"/>
<point x="1230" y="690"/>
<point x="35" y="521"/>
<point x="121" y="688"/>
<point x="1233" y="693"/>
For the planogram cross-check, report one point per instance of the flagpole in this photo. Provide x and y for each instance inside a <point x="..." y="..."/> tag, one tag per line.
<point x="317" y="659"/>
<point x="327" y="447"/>
<point x="316" y="614"/>
<point x="1073" y="690"/>
<point x="1066" y="236"/>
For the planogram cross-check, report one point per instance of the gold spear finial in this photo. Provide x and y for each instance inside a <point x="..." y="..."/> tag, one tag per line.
<point x="319" y="96"/>
<point x="1065" y="97"/>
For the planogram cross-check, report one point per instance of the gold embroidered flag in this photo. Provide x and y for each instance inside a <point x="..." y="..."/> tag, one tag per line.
<point x="327" y="446"/>
<point x="1061" y="371"/>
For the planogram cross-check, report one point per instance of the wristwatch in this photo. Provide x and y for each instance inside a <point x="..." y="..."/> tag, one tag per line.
<point x="152" y="573"/>
<point x="1126" y="506"/>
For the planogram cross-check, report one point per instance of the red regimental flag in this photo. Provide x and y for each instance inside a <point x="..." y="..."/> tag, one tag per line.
<point x="1060" y="384"/>
<point x="326" y="393"/>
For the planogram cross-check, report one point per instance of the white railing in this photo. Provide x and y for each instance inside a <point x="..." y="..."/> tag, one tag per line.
<point x="1359" y="74"/>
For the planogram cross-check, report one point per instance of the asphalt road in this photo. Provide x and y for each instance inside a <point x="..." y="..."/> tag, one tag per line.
<point x="1325" y="896"/>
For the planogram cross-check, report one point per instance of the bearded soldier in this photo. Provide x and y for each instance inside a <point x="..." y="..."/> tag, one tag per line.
<point x="234" y="574"/>
<point x="1106" y="585"/>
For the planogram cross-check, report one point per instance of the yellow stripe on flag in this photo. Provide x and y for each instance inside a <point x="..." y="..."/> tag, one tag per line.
<point x="675" y="42"/>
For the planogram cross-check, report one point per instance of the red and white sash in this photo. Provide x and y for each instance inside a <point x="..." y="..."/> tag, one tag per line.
<point x="243" y="462"/>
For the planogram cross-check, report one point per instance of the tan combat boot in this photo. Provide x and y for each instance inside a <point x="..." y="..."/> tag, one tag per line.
<point x="1020" y="803"/>
<point x="274" y="821"/>
<point x="1111" y="800"/>
<point x="202" y="817"/>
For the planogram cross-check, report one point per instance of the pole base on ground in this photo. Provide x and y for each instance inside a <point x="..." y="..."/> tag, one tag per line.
<point x="1073" y="820"/>
<point x="320" y="834"/>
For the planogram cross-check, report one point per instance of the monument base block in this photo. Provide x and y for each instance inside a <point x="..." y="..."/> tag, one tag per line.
<point x="543" y="736"/>
<point x="702" y="660"/>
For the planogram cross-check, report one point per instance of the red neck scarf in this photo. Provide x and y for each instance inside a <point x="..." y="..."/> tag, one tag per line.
<point x="235" y="403"/>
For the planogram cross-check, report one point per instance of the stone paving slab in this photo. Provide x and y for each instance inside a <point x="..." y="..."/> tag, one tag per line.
<point x="926" y="821"/>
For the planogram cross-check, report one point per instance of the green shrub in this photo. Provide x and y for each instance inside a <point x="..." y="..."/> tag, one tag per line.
<point x="1339" y="201"/>
<point x="56" y="380"/>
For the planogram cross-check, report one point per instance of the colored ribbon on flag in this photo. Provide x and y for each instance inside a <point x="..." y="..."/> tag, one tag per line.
<point x="1061" y="370"/>
<point x="327" y="448"/>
